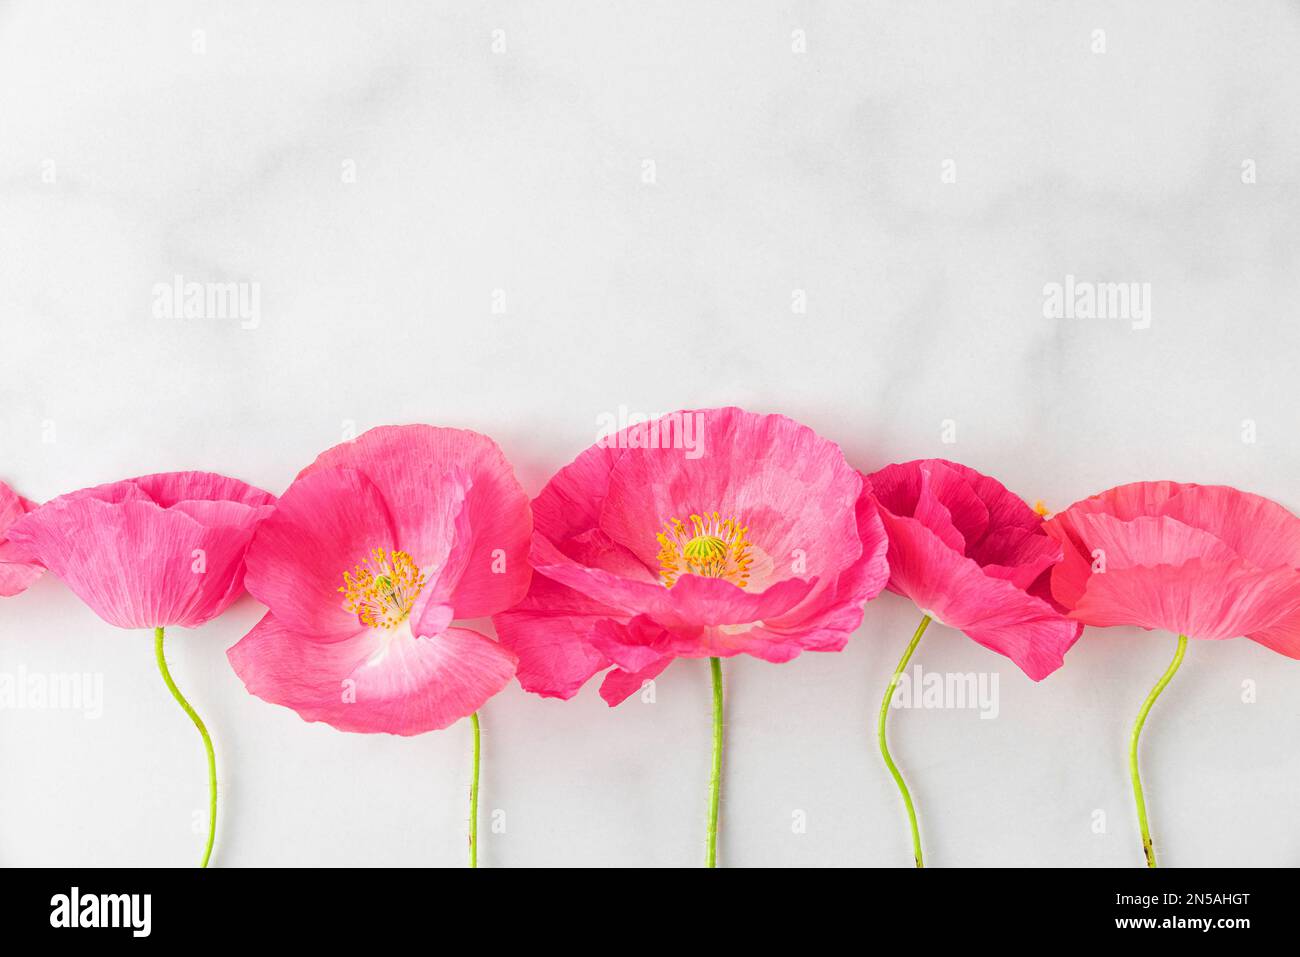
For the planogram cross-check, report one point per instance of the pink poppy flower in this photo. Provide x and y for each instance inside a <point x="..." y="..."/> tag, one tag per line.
<point x="1205" y="561"/>
<point x="370" y="555"/>
<point x="1201" y="561"/>
<point x="702" y="534"/>
<point x="149" y="552"/>
<point x="17" y="572"/>
<point x="974" y="557"/>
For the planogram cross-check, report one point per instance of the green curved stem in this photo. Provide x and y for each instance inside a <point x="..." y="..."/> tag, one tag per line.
<point x="884" y="746"/>
<point x="715" y="775"/>
<point x="203" y="732"/>
<point x="1147" y="847"/>
<point x="473" y="797"/>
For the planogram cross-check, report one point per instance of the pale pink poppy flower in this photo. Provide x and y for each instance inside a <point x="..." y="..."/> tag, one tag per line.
<point x="702" y="534"/>
<point x="1204" y="561"/>
<point x="1201" y="561"/>
<point x="972" y="555"/>
<point x="370" y="556"/>
<point x="151" y="552"/>
<point x="17" y="571"/>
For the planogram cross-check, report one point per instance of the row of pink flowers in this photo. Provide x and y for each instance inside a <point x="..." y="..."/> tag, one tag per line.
<point x="764" y="541"/>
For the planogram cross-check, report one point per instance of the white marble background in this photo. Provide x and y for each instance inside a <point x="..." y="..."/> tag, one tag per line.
<point x="128" y="156"/>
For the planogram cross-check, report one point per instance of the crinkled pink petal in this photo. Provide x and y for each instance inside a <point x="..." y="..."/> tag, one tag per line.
<point x="596" y="549"/>
<point x="551" y="633"/>
<point x="325" y="524"/>
<point x="374" y="681"/>
<point x="1005" y="507"/>
<point x="234" y="517"/>
<point x="1149" y="540"/>
<point x="16" y="574"/>
<point x="1258" y="529"/>
<point x="449" y="552"/>
<point x="1201" y="598"/>
<point x="434" y="619"/>
<point x="632" y="646"/>
<point x="406" y="462"/>
<point x="170" y="488"/>
<point x="17" y="571"/>
<point x="566" y="513"/>
<point x="569" y="505"/>
<point x="992" y="611"/>
<point x="1201" y="560"/>
<point x="629" y="596"/>
<point x="783" y="645"/>
<point x="711" y="602"/>
<point x="619" y="685"/>
<point x="714" y="642"/>
<point x="1020" y="555"/>
<point x="1126" y="502"/>
<point x="1001" y="532"/>
<point x="1070" y="576"/>
<point x="1123" y="504"/>
<point x="556" y="652"/>
<point x="115" y="493"/>
<point x="12" y="507"/>
<point x="470" y="590"/>
<point x="792" y="488"/>
<point x="949" y="507"/>
<point x="1282" y="635"/>
<point x="833" y="610"/>
<point x="1042" y="590"/>
<point x="938" y="494"/>
<point x="897" y="487"/>
<point x="136" y="564"/>
<point x="692" y="602"/>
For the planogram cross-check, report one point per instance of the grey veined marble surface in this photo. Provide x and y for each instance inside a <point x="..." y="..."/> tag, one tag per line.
<point x="1057" y="242"/>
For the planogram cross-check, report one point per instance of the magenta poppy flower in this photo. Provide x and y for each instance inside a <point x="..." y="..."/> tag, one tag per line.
<point x="151" y="552"/>
<point x="975" y="557"/>
<point x="370" y="555"/>
<point x="702" y="534"/>
<point x="17" y="571"/>
<point x="1201" y="561"/>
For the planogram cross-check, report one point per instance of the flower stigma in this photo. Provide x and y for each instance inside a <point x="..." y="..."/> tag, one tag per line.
<point x="711" y="547"/>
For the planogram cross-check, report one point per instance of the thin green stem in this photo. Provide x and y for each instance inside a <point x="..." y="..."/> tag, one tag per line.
<point x="473" y="797"/>
<point x="1147" y="847"/>
<point x="203" y="732"/>
<point x="715" y="775"/>
<point x="884" y="746"/>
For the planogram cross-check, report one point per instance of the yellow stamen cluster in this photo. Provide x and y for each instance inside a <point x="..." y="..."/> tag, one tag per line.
<point x="1042" y="509"/>
<point x="712" y="547"/>
<point x="381" y="590"/>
